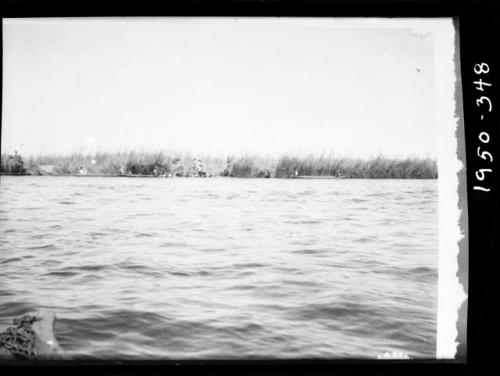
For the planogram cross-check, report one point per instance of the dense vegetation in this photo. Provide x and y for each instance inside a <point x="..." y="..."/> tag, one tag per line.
<point x="377" y="168"/>
<point x="13" y="164"/>
<point x="178" y="164"/>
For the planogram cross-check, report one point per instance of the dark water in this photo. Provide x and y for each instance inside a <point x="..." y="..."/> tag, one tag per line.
<point x="223" y="268"/>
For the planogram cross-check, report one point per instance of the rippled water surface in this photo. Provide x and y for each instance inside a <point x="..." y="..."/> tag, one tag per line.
<point x="223" y="268"/>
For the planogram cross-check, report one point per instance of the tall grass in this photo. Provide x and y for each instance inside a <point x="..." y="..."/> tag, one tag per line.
<point x="250" y="167"/>
<point x="375" y="168"/>
<point x="180" y="164"/>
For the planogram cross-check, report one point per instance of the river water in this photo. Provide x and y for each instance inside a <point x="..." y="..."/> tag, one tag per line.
<point x="223" y="268"/>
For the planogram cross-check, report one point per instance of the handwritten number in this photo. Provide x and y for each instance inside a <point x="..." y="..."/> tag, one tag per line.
<point x="484" y="137"/>
<point x="481" y="100"/>
<point x="481" y="68"/>
<point x="480" y="84"/>
<point x="484" y="155"/>
<point x="480" y="174"/>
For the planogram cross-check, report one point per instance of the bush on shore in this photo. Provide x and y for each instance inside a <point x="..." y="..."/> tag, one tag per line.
<point x="247" y="167"/>
<point x="149" y="164"/>
<point x="12" y="164"/>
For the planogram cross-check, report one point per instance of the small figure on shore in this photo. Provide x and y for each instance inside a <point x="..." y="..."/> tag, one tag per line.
<point x="201" y="172"/>
<point x="82" y="171"/>
<point x="227" y="171"/>
<point x="155" y="171"/>
<point x="121" y="171"/>
<point x="197" y="168"/>
<point x="337" y="174"/>
<point x="296" y="173"/>
<point x="177" y="168"/>
<point x="194" y="167"/>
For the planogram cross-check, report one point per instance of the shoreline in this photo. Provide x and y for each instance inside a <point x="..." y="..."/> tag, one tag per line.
<point x="135" y="164"/>
<point x="305" y="177"/>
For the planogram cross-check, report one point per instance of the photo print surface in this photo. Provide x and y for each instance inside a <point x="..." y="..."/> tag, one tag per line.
<point x="230" y="188"/>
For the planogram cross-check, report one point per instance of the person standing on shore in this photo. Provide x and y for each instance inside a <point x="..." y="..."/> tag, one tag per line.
<point x="178" y="169"/>
<point x="227" y="171"/>
<point x="201" y="172"/>
<point x="196" y="167"/>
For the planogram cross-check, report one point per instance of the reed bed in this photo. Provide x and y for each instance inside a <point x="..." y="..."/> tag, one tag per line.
<point x="246" y="166"/>
<point x="376" y="168"/>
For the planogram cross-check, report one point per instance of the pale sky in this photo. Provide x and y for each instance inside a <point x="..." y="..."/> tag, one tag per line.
<point x="350" y="87"/>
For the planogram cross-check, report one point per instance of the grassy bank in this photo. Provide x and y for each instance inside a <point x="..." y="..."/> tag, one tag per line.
<point x="181" y="164"/>
<point x="376" y="168"/>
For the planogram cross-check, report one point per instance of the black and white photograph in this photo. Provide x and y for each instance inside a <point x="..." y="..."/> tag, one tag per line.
<point x="178" y="188"/>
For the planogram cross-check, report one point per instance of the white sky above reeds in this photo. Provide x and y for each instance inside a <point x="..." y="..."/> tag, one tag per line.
<point x="350" y="87"/>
